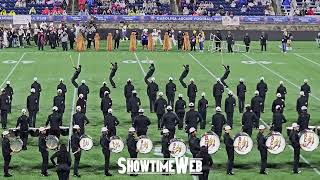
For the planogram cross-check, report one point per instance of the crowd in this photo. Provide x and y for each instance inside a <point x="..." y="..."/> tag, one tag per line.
<point x="301" y="7"/>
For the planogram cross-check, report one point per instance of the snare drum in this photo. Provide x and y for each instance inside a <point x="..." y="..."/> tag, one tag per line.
<point x="86" y="142"/>
<point x="212" y="141"/>
<point x="312" y="128"/>
<point x="289" y="130"/>
<point x="242" y="143"/>
<point x="52" y="142"/>
<point x="16" y="144"/>
<point x="14" y="131"/>
<point x="177" y="148"/>
<point x="116" y="144"/>
<point x="275" y="143"/>
<point x="34" y="132"/>
<point x="144" y="145"/>
<point x="64" y="131"/>
<point x="309" y="140"/>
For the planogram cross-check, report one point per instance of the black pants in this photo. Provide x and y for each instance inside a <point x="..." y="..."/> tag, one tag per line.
<point x="64" y="46"/>
<point x="171" y="100"/>
<point x="159" y="116"/>
<point x="241" y="104"/>
<point x="218" y="100"/>
<point x="218" y="132"/>
<point x="141" y="132"/>
<point x="71" y="44"/>
<point x="230" y="153"/>
<point x="224" y="83"/>
<point x="77" y="158"/>
<point x="247" y="47"/>
<point x="148" y="75"/>
<point x="230" y="48"/>
<point x="263" y="101"/>
<point x="89" y="44"/>
<point x="40" y="46"/>
<point x="204" y="175"/>
<point x="172" y="132"/>
<point x="179" y="44"/>
<point x="45" y="162"/>
<point x="218" y="46"/>
<point x="181" y="117"/>
<point x="55" y="132"/>
<point x="296" y="159"/>
<point x="192" y="99"/>
<point x="230" y="118"/>
<point x="203" y="114"/>
<point x="134" y="115"/>
<point x="127" y="104"/>
<point x="21" y="40"/>
<point x="277" y="129"/>
<point x="116" y="44"/>
<point x="193" y="46"/>
<point x="152" y="100"/>
<point x="4" y="118"/>
<point x="264" y="47"/>
<point x="248" y="131"/>
<point x="24" y="138"/>
<point x="73" y="81"/>
<point x="256" y="123"/>
<point x="35" y="39"/>
<point x="63" y="174"/>
<point x="182" y="82"/>
<point x="7" y="159"/>
<point x="52" y="44"/>
<point x="106" y="154"/>
<point x="111" y="81"/>
<point x="263" y="155"/>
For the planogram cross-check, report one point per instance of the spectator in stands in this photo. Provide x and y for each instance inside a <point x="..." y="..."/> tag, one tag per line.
<point x="3" y="12"/>
<point x="12" y="13"/>
<point x="243" y="9"/>
<point x="310" y="11"/>
<point x="45" y="11"/>
<point x="32" y="11"/>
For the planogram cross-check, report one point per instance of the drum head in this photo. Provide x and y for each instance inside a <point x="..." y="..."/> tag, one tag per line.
<point x="52" y="142"/>
<point x="144" y="145"/>
<point x="16" y="144"/>
<point x="309" y="140"/>
<point x="86" y="143"/>
<point x="212" y="141"/>
<point x="177" y="148"/>
<point x="243" y="143"/>
<point x="275" y="143"/>
<point x="116" y="144"/>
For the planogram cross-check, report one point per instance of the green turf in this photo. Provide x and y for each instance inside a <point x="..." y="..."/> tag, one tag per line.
<point x="51" y="65"/>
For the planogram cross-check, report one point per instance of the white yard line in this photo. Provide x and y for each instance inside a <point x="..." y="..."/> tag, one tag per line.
<point x="12" y="70"/>
<point x="305" y="58"/>
<point x="72" y="109"/>
<point x="144" y="73"/>
<point x="277" y="74"/>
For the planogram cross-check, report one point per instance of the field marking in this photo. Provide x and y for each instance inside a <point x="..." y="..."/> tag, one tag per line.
<point x="144" y="73"/>
<point x="301" y="156"/>
<point x="307" y="59"/>
<point x="14" y="67"/>
<point x="72" y="109"/>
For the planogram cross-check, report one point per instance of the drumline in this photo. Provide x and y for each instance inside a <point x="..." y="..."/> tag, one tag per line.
<point x="243" y="144"/>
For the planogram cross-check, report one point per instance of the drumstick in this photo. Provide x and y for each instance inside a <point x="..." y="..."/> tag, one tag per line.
<point x="76" y="151"/>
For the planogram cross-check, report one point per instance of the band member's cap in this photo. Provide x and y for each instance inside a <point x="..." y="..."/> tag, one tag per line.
<point x="304" y="108"/>
<point x="218" y="109"/>
<point x="8" y="82"/>
<point x="227" y="128"/>
<point x="83" y="81"/>
<point x="132" y="129"/>
<point x="41" y="129"/>
<point x="192" y="129"/>
<point x="278" y="95"/>
<point x="104" y="129"/>
<point x="110" y="110"/>
<point x="141" y="111"/>
<point x="294" y="125"/>
<point x="169" y="108"/>
<point x="76" y="127"/>
<point x="4" y="133"/>
<point x="164" y="131"/>
<point x="262" y="127"/>
<point x="191" y="104"/>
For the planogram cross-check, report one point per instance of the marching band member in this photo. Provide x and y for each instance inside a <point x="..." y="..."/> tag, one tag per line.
<point x="44" y="151"/>
<point x="114" y="68"/>
<point x="192" y="118"/>
<point x="256" y="106"/>
<point x="171" y="88"/>
<point x="23" y="124"/>
<point x="184" y="75"/>
<point x="152" y="89"/>
<point x="165" y="142"/>
<point x="144" y="38"/>
<point x="37" y="86"/>
<point x="80" y="119"/>
<point x="230" y="103"/>
<point x="97" y="41"/>
<point x="169" y="121"/>
<point x="54" y="120"/>
<point x="110" y="121"/>
<point x="217" y="91"/>
<point x="9" y="91"/>
<point x="33" y="107"/>
<point x="76" y="75"/>
<point x="301" y="101"/>
<point x="109" y="42"/>
<point x="141" y="123"/>
<point x="81" y="102"/>
<point x="76" y="150"/>
<point x="127" y="91"/>
<point x="225" y="75"/>
<point x="241" y="93"/>
<point x="104" y="142"/>
<point x="278" y="119"/>
<point x="6" y="153"/>
<point x="133" y="42"/>
<point x="166" y="42"/>
<point x="202" y="109"/>
<point x="4" y="108"/>
<point x="186" y="42"/>
<point x="262" y="87"/>
<point x="207" y="162"/>
<point x="59" y="102"/>
<point x="63" y="87"/>
<point x="218" y="120"/>
<point x="63" y="162"/>
<point x="132" y="144"/>
<point x="192" y="91"/>
<point x="106" y="103"/>
<point x="278" y="102"/>
<point x="134" y="105"/>
<point x="159" y="108"/>
<point x="249" y="118"/>
<point x="306" y="88"/>
<point x="282" y="90"/>
<point x="247" y="41"/>
<point x="150" y="72"/>
<point x="103" y="89"/>
<point x="194" y="142"/>
<point x="218" y="40"/>
<point x="294" y="138"/>
<point x="261" y="140"/>
<point x="228" y="141"/>
<point x="180" y="107"/>
<point x="116" y="37"/>
<point x="303" y="119"/>
<point x="230" y="42"/>
<point x="180" y="40"/>
<point x="83" y="89"/>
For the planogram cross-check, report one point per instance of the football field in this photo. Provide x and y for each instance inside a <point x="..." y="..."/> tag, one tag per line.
<point x="20" y="66"/>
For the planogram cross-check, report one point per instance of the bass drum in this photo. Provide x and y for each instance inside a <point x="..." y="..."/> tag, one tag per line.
<point x="16" y="144"/>
<point x="52" y="142"/>
<point x="64" y="131"/>
<point x="144" y="145"/>
<point x="86" y="142"/>
<point x="275" y="143"/>
<point x="309" y="140"/>
<point x="242" y="143"/>
<point x="212" y="141"/>
<point x="177" y="148"/>
<point x="116" y="144"/>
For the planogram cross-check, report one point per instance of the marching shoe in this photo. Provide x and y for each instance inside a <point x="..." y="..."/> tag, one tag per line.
<point x="77" y="175"/>
<point x="44" y="174"/>
<point x="108" y="174"/>
<point x="230" y="173"/>
<point x="296" y="172"/>
<point x="7" y="175"/>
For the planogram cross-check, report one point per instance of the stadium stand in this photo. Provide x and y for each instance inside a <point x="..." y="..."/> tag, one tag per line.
<point x="301" y="7"/>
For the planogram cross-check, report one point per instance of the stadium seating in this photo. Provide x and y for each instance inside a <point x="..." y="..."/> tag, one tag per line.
<point x="301" y="7"/>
